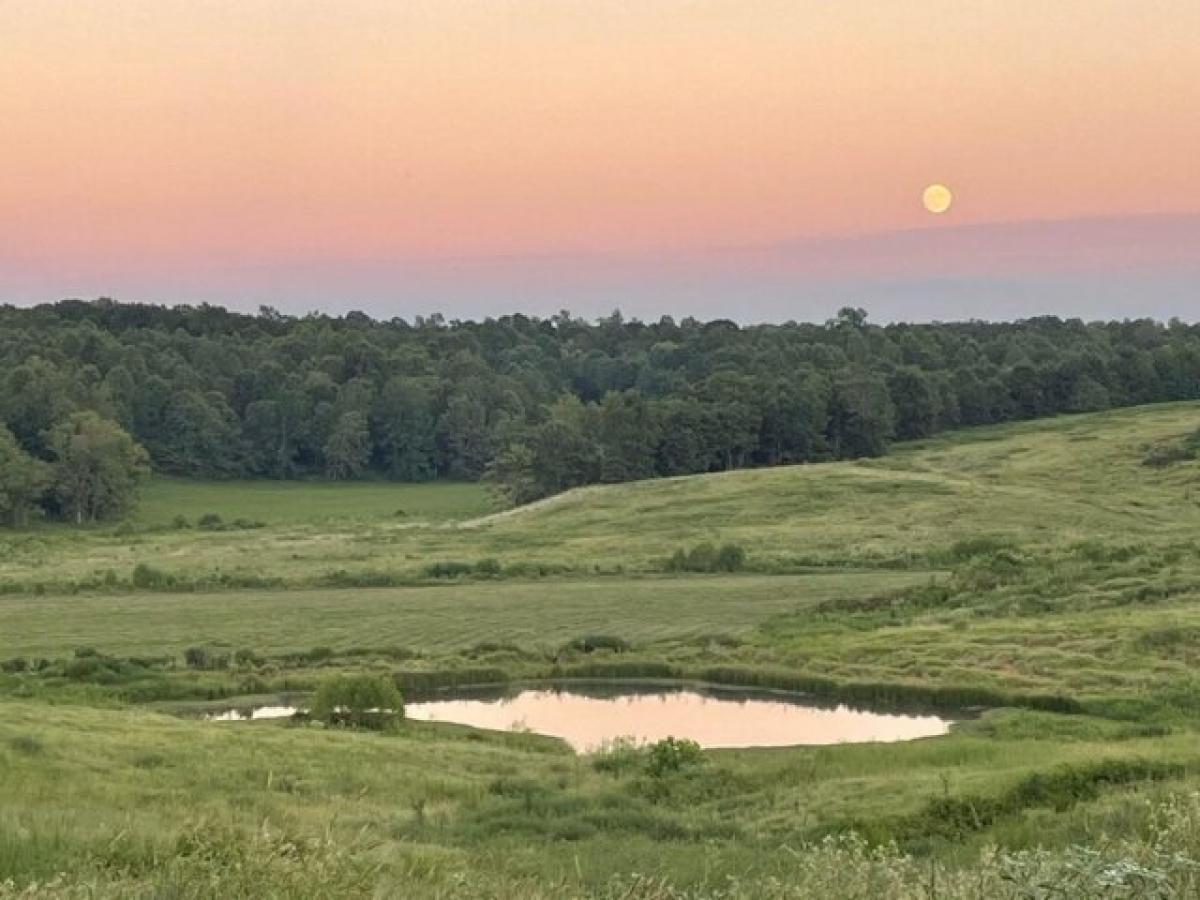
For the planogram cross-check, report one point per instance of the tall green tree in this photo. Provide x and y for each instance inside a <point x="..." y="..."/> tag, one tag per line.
<point x="98" y="468"/>
<point x="348" y="450"/>
<point x="914" y="401"/>
<point x="861" y="415"/>
<point x="23" y="481"/>
<point x="402" y="423"/>
<point x="464" y="438"/>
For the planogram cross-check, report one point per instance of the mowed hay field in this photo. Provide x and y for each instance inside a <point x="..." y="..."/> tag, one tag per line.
<point x="1040" y="574"/>
<point x="310" y="502"/>
<point x="429" y="619"/>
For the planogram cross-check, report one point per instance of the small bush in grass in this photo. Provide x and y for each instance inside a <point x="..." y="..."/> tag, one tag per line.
<point x="318" y="654"/>
<point x="673" y="755"/>
<point x="181" y="523"/>
<point x="709" y="558"/>
<point x="203" y="658"/>
<point x="196" y="657"/>
<point x="359" y="701"/>
<point x="448" y="569"/>
<point x="589" y="643"/>
<point x="146" y="577"/>
<point x="16" y="664"/>
<point x="731" y="558"/>
<point x="211" y="522"/>
<point x="247" y="658"/>
<point x="489" y="567"/>
<point x="26" y="744"/>
<point x="619" y="757"/>
<point x="1181" y="450"/>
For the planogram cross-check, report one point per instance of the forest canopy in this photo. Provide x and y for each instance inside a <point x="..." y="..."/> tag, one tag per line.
<point x="537" y="405"/>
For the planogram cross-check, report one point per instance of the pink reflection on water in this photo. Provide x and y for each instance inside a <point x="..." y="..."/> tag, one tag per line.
<point x="712" y="721"/>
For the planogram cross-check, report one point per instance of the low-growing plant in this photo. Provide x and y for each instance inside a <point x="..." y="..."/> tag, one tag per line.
<point x="620" y="756"/>
<point x="247" y="658"/>
<point x="673" y="755"/>
<point x="204" y="658"/>
<point x="708" y="558"/>
<point x="589" y="643"/>
<point x="26" y="744"/>
<point x="147" y="577"/>
<point x="448" y="569"/>
<point x="1168" y="453"/>
<point x="489" y="567"/>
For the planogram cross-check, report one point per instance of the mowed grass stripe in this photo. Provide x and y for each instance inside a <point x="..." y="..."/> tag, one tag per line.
<point x="428" y="619"/>
<point x="309" y="502"/>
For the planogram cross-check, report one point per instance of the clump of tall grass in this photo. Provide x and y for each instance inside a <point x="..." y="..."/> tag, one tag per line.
<point x="448" y="568"/>
<point x="590" y="643"/>
<point x="205" y="658"/>
<point x="1168" y="453"/>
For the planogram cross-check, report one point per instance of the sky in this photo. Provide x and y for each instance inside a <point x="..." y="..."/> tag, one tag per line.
<point x="760" y="160"/>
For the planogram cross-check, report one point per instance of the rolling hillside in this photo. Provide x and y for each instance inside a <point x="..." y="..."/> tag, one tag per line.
<point x="1039" y="581"/>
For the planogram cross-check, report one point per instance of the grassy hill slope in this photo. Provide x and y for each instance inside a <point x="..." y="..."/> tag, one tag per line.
<point x="1046" y="485"/>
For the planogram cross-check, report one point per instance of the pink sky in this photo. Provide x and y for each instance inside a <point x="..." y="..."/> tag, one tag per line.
<point x="213" y="149"/>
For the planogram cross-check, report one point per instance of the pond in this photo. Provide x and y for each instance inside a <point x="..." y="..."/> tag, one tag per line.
<point x="587" y="716"/>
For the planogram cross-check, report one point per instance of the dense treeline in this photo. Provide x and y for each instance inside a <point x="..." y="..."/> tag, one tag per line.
<point x="545" y="404"/>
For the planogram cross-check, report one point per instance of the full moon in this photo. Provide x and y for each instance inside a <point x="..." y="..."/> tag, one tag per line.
<point x="937" y="198"/>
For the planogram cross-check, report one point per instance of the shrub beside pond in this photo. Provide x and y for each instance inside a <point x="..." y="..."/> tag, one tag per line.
<point x="358" y="701"/>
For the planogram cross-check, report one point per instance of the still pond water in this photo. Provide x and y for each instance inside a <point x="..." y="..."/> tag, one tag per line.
<point x="587" y="717"/>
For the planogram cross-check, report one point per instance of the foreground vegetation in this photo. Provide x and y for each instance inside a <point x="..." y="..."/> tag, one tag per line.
<point x="1045" y="575"/>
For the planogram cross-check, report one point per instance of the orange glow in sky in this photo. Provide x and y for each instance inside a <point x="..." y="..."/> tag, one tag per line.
<point x="177" y="130"/>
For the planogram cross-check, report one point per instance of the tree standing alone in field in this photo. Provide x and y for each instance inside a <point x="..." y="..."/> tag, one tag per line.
<point x="98" y="468"/>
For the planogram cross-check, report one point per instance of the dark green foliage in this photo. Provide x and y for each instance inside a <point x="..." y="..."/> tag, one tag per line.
<point x="204" y="658"/>
<point x="90" y="666"/>
<point x="708" y="558"/>
<point x="147" y="577"/>
<point x="359" y="701"/>
<point x="890" y="694"/>
<point x="97" y="468"/>
<point x="412" y="683"/>
<point x="247" y="658"/>
<point x="26" y="744"/>
<point x="539" y="405"/>
<point x="617" y="669"/>
<point x="956" y="817"/>
<point x="488" y="567"/>
<point x="448" y="569"/>
<point x="23" y="481"/>
<point x="314" y="656"/>
<point x="210" y="522"/>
